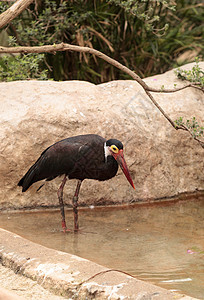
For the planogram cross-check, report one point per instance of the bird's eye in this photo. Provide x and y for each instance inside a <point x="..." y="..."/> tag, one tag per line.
<point x="114" y="148"/>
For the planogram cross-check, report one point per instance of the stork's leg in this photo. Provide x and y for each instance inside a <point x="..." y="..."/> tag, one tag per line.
<point x="60" y="197"/>
<point x="75" y="205"/>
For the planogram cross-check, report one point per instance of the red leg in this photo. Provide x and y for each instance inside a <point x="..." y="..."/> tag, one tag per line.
<point x="75" y="205"/>
<point x="60" y="197"/>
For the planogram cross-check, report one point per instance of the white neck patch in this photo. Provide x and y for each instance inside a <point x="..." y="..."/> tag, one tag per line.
<point x="106" y="151"/>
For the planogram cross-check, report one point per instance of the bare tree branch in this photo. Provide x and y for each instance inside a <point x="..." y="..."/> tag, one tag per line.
<point x="67" y="47"/>
<point x="13" y="11"/>
<point x="195" y="85"/>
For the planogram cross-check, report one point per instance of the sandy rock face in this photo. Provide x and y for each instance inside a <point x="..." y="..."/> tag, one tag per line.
<point x="163" y="162"/>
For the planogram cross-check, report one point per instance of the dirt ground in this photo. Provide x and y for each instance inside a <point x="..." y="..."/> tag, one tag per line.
<point x="22" y="286"/>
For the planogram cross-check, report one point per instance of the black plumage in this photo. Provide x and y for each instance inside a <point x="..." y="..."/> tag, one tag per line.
<point x="80" y="157"/>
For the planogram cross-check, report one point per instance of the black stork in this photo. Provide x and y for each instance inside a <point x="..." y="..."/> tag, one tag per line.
<point x="80" y="157"/>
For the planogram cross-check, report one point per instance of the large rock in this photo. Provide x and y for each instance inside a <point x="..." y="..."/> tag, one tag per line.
<point x="163" y="162"/>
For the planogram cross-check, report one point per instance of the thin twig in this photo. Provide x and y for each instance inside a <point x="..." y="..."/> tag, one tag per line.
<point x="195" y="85"/>
<point x="106" y="271"/>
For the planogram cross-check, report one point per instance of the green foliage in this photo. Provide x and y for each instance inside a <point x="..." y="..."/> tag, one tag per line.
<point x="147" y="36"/>
<point x="194" y="75"/>
<point x="22" y="67"/>
<point x="195" y="129"/>
<point x="146" y="11"/>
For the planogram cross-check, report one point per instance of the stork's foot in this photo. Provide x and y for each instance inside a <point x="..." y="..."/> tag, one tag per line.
<point x="66" y="230"/>
<point x="64" y="227"/>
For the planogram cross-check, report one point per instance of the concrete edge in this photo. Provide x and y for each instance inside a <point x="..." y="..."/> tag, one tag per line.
<point x="8" y="295"/>
<point x="74" y="277"/>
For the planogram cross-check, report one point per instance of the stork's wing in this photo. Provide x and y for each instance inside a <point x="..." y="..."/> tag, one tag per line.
<point x="56" y="160"/>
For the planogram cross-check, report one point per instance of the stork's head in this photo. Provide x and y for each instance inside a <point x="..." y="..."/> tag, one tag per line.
<point x="115" y="148"/>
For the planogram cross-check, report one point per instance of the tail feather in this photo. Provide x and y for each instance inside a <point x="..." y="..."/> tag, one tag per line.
<point x="53" y="162"/>
<point x="28" y="179"/>
<point x="42" y="169"/>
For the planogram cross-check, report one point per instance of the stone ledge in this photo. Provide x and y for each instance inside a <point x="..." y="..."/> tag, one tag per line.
<point x="74" y="277"/>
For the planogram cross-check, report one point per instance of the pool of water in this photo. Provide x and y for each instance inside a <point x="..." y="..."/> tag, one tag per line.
<point x="162" y="243"/>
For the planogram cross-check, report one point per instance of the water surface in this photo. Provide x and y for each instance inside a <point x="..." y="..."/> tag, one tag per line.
<point x="162" y="243"/>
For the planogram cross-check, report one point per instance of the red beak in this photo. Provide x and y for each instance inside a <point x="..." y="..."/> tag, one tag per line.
<point x="119" y="157"/>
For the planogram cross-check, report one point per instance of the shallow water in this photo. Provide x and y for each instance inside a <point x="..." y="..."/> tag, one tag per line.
<point x="162" y="243"/>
